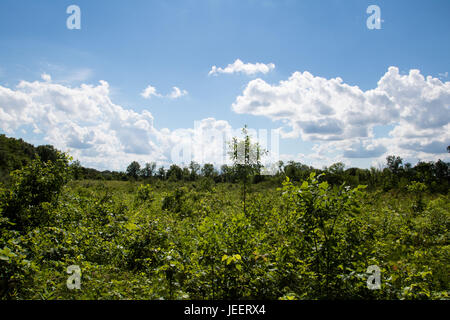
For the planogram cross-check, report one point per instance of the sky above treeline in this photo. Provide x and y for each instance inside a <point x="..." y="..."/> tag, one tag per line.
<point x="317" y="82"/>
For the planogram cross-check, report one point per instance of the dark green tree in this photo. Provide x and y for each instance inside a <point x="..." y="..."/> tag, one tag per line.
<point x="227" y="173"/>
<point x="208" y="170"/>
<point x="394" y="164"/>
<point x="47" y="153"/>
<point x="194" y="168"/>
<point x="161" y="173"/>
<point x="149" y="170"/>
<point x="77" y="169"/>
<point x="175" y="173"/>
<point x="133" y="169"/>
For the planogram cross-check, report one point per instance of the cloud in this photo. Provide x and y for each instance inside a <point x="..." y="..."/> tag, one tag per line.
<point x="149" y="91"/>
<point x="78" y="75"/>
<point x="101" y="134"/>
<point x="177" y="93"/>
<point x="46" y="77"/>
<point x="437" y="147"/>
<point x="337" y="117"/>
<point x="67" y="75"/>
<point x="342" y="116"/>
<point x="443" y="75"/>
<point x="364" y="149"/>
<point x="82" y="119"/>
<point x="239" y="67"/>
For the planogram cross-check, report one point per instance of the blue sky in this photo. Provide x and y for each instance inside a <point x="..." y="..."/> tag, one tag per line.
<point x="164" y="44"/>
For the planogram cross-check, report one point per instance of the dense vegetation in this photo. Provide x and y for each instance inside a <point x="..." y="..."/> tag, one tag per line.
<point x="184" y="233"/>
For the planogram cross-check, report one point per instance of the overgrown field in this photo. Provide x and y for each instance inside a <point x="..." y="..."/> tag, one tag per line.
<point x="193" y="240"/>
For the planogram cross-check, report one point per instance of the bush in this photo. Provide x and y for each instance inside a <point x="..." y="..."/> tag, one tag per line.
<point x="177" y="202"/>
<point x="34" y="192"/>
<point x="322" y="226"/>
<point x="417" y="189"/>
<point x="144" y="193"/>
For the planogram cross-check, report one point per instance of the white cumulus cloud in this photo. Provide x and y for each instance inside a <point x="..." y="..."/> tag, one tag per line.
<point x="150" y="91"/>
<point x="101" y="134"/>
<point x="174" y="94"/>
<point x="46" y="77"/>
<point x="240" y="67"/>
<point x="177" y="93"/>
<point x="342" y="117"/>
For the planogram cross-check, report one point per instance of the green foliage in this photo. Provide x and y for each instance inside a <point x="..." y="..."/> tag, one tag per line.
<point x="246" y="157"/>
<point x="177" y="201"/>
<point x="16" y="153"/>
<point x="205" y="184"/>
<point x="133" y="170"/>
<point x="144" y="193"/>
<point x="34" y="192"/>
<point x="149" y="170"/>
<point x="305" y="238"/>
<point x="329" y="240"/>
<point x="417" y="189"/>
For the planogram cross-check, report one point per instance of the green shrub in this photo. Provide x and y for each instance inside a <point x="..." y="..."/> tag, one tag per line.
<point x="34" y="192"/>
<point x="145" y="193"/>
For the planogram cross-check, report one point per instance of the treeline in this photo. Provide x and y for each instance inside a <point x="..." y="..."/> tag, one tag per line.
<point x="15" y="153"/>
<point x="395" y="175"/>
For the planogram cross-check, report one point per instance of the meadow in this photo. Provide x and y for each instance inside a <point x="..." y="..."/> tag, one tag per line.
<point x="165" y="239"/>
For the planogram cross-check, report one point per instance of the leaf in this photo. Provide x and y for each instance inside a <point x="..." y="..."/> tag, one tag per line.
<point x="131" y="226"/>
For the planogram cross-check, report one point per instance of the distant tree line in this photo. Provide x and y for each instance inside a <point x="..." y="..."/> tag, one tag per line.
<point x="14" y="153"/>
<point x="395" y="174"/>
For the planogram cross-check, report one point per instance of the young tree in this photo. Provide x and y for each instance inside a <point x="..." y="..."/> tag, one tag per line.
<point x="246" y="157"/>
